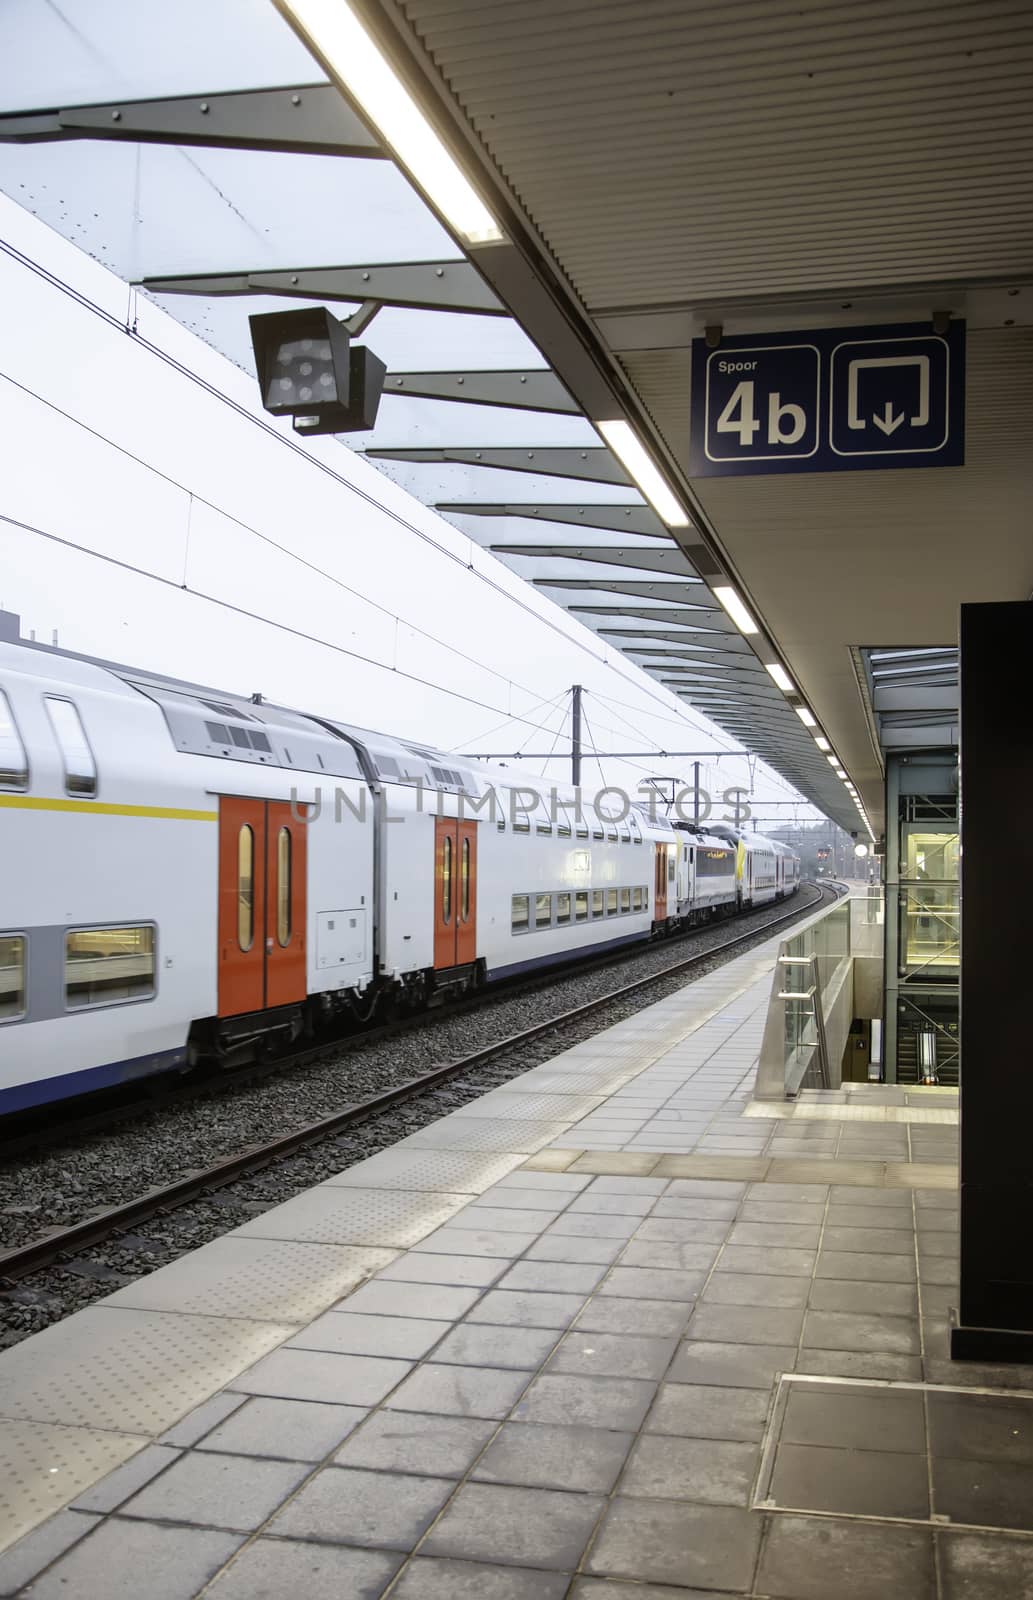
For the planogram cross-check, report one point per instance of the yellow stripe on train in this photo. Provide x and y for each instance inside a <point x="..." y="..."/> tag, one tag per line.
<point x="30" y="802"/>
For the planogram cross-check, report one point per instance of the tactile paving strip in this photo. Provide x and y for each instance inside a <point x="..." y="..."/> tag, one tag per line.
<point x="451" y="1171"/>
<point x="42" y="1466"/>
<point x="334" y="1214"/>
<point x="132" y="1371"/>
<point x="478" y="1133"/>
<point x="260" y="1278"/>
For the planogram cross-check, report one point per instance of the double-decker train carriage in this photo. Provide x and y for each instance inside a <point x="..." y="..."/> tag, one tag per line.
<point x="193" y="874"/>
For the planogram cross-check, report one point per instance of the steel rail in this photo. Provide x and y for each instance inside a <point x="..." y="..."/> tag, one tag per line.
<point x="45" y="1249"/>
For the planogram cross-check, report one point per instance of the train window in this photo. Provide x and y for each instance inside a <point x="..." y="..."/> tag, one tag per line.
<point x="283" y="887"/>
<point x="501" y="824"/>
<point x="12" y="976"/>
<point x="521" y="825"/>
<point x="611" y="902"/>
<point x="80" y="767"/>
<point x="626" y="834"/>
<point x="625" y="900"/>
<point x="464" y="881"/>
<point x="563" y="829"/>
<point x="597" y="833"/>
<point x="636" y="899"/>
<point x="521" y="912"/>
<point x="611" y="834"/>
<point x="597" y="902"/>
<point x="563" y="908"/>
<point x="543" y="827"/>
<point x="582" y="830"/>
<point x="581" y="906"/>
<point x="543" y="910"/>
<point x="245" y="888"/>
<point x="672" y="865"/>
<point x="106" y="965"/>
<point x="14" y="769"/>
<point x="446" y="879"/>
<point x="217" y="733"/>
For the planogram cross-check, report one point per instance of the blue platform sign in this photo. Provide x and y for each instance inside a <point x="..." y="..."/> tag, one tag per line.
<point x="837" y="399"/>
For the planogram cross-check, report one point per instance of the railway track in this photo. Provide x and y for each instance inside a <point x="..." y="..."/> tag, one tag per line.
<point x="50" y="1247"/>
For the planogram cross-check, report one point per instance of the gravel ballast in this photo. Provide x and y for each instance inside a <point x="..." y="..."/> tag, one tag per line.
<point x="58" y="1186"/>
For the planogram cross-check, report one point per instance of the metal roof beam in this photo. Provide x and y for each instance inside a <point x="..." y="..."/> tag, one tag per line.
<point x="594" y="465"/>
<point x="417" y="285"/>
<point x="309" y="118"/>
<point x="650" y="559"/>
<point x="619" y="518"/>
<point x="536" y="390"/>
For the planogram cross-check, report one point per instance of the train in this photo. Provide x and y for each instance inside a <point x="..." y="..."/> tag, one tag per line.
<point x="194" y="875"/>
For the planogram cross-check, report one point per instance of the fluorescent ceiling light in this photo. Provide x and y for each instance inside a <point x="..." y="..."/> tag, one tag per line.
<point x="629" y="449"/>
<point x="735" y="608"/>
<point x="821" y="741"/>
<point x="832" y="760"/>
<point x="780" y="675"/>
<point x="806" y="716"/>
<point x="371" y="81"/>
<point x="840" y="773"/>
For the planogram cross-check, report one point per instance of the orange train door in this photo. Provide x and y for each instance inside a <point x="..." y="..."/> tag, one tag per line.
<point x="660" y="885"/>
<point x="455" y="892"/>
<point x="262" y="877"/>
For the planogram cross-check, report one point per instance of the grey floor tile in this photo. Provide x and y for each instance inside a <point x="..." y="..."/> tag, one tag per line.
<point x="796" y="1194"/>
<point x="482" y="1344"/>
<point x="346" y="1505"/>
<point x="707" y="1411"/>
<point x="656" y="1318"/>
<point x="990" y="1494"/>
<point x="434" y="1301"/>
<point x="202" y="1419"/>
<point x="863" y="1483"/>
<point x="21" y="1562"/>
<point x="429" y="1578"/>
<point x="652" y="1186"/>
<point x="417" y="1266"/>
<point x="656" y="1283"/>
<point x="855" y="1330"/>
<point x="664" y="1541"/>
<point x="295" y="1430"/>
<point x="555" y="1277"/>
<point x="516" y="1527"/>
<point x="755" y="1289"/>
<point x="526" y="1308"/>
<point x="351" y="1333"/>
<point x="855" y="1266"/>
<point x="572" y="1182"/>
<point x="684" y="1255"/>
<point x="472" y="1241"/>
<point x="938" y="1269"/>
<point x="813" y="1558"/>
<point x="460" y="1391"/>
<point x="613" y="1355"/>
<point x="731" y="1366"/>
<point x="126" y="1479"/>
<point x="894" y="1299"/>
<point x="745" y="1324"/>
<point x="218" y="1491"/>
<point x="858" y="1419"/>
<point x="787" y="1211"/>
<point x="891" y="1241"/>
<point x="614" y="1589"/>
<point x="707" y="1471"/>
<point x="550" y="1457"/>
<point x="861" y="1215"/>
<point x="270" y="1569"/>
<point x="855" y="1195"/>
<point x="523" y="1198"/>
<point x="564" y="1247"/>
<point x="861" y="1364"/>
<point x="975" y="1427"/>
<point x="697" y="1208"/>
<point x="428" y="1446"/>
<point x="778" y="1262"/>
<point x="618" y="1203"/>
<point x="120" y="1556"/>
<point x="984" y="1566"/>
<point x="504" y="1219"/>
<point x="594" y="1226"/>
<point x="777" y="1235"/>
<point x="569" y="1399"/>
<point x="320" y="1375"/>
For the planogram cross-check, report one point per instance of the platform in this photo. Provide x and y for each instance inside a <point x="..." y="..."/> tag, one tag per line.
<point x="612" y="1332"/>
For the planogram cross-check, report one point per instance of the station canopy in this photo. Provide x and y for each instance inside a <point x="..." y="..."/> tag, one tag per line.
<point x="657" y="171"/>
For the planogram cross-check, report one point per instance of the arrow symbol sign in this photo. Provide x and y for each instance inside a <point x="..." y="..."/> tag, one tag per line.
<point x="887" y="422"/>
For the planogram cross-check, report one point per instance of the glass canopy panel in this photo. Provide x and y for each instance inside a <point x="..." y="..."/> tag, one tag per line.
<point x="60" y="53"/>
<point x="159" y="210"/>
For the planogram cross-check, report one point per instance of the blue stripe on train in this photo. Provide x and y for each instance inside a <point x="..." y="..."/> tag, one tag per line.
<point x="23" y="1096"/>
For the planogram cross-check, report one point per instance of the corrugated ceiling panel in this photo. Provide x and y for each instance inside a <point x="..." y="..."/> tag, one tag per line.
<point x="765" y="147"/>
